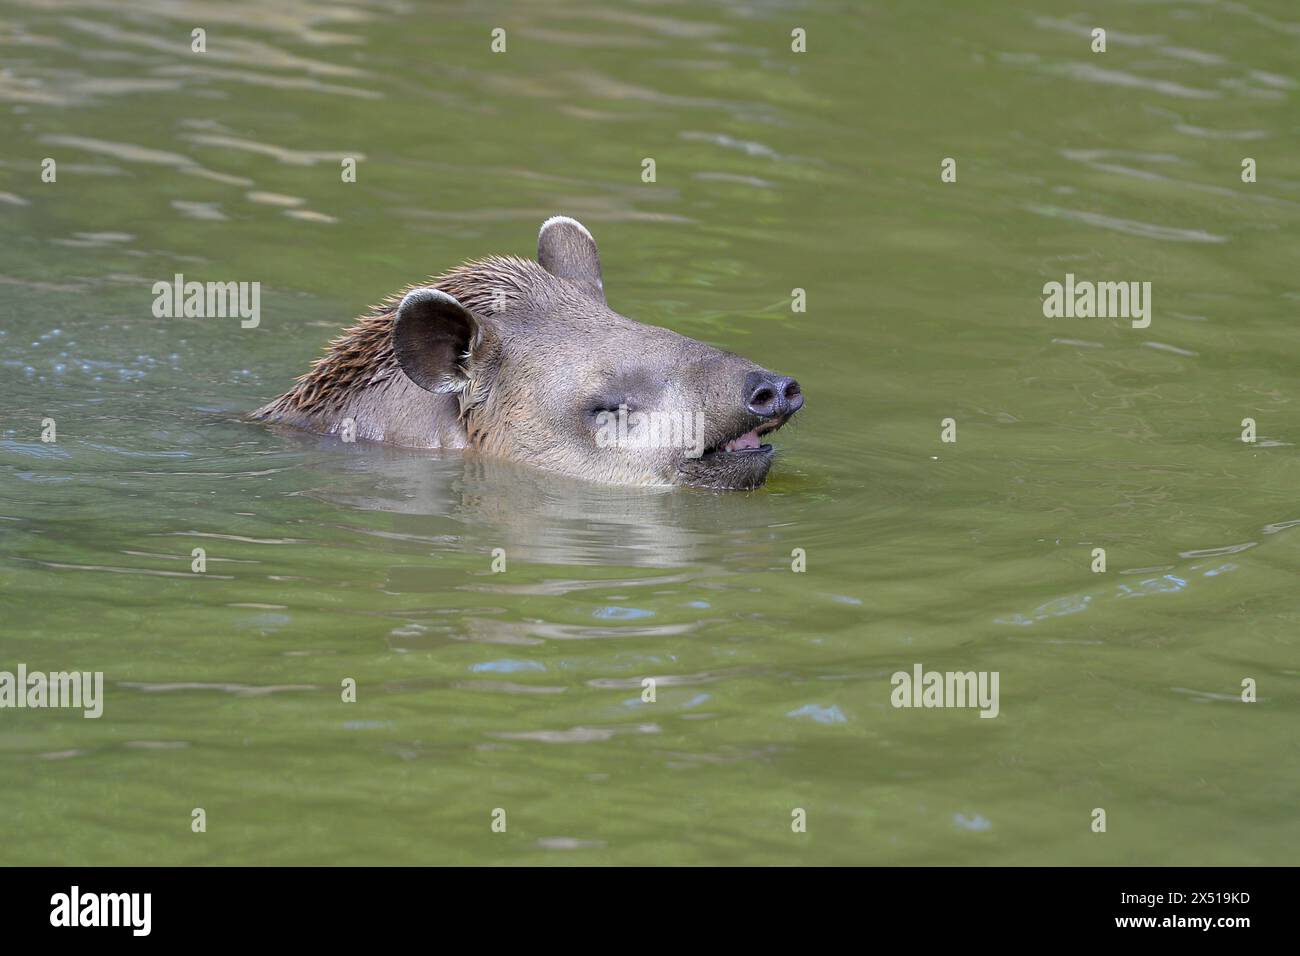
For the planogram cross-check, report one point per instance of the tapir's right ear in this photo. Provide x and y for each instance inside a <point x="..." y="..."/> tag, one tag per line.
<point x="433" y="336"/>
<point x="566" y="250"/>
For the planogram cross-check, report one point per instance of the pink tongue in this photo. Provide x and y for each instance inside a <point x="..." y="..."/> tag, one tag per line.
<point x="747" y="440"/>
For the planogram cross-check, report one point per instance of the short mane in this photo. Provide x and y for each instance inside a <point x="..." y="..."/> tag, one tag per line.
<point x="362" y="355"/>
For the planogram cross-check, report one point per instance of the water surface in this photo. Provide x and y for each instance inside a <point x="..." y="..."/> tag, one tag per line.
<point x="522" y="690"/>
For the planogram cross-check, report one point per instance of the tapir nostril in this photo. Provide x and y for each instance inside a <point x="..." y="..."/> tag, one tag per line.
<point x="772" y="395"/>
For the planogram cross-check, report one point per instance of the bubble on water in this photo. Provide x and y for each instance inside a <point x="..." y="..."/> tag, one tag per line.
<point x="264" y="623"/>
<point x="1059" y="607"/>
<point x="570" y="843"/>
<point x="507" y="667"/>
<point x="823" y="715"/>
<point x="1167" y="584"/>
<point x="976" y="823"/>
<point x="1221" y="569"/>
<point x="622" y="613"/>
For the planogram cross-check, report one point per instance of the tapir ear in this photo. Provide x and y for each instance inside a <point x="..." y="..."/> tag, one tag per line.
<point x="432" y="335"/>
<point x="566" y="250"/>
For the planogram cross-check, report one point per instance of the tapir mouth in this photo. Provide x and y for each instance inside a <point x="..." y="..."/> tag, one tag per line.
<point x="739" y="462"/>
<point x="750" y="442"/>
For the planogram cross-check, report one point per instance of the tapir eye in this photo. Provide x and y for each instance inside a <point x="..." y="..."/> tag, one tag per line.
<point x="606" y="405"/>
<point x="630" y="389"/>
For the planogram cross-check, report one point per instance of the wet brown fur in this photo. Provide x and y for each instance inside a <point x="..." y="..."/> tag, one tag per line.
<point x="362" y="355"/>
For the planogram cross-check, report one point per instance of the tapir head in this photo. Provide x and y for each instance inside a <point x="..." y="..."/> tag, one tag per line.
<point x="547" y="373"/>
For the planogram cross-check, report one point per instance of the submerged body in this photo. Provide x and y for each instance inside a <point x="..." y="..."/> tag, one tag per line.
<point x="525" y="360"/>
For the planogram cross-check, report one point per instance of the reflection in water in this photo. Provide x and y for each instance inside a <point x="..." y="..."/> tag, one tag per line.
<point x="542" y="518"/>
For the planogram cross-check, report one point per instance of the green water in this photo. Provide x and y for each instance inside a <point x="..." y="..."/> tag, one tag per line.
<point x="523" y="690"/>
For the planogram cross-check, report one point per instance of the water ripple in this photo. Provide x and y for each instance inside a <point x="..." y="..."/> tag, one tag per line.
<point x="1131" y="227"/>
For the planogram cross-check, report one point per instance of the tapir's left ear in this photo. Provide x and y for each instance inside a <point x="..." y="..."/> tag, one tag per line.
<point x="432" y="336"/>
<point x="566" y="250"/>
